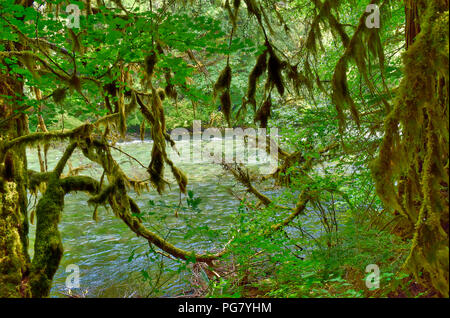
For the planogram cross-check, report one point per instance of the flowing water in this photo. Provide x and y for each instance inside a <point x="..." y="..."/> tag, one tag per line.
<point x="114" y="262"/>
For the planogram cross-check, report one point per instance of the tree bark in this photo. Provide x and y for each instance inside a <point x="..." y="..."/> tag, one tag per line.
<point x="412" y="25"/>
<point x="14" y="257"/>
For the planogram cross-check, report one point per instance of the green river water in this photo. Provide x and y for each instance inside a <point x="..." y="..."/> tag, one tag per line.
<point x="102" y="249"/>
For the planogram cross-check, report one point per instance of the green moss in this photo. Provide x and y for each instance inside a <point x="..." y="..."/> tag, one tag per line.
<point x="258" y="70"/>
<point x="13" y="259"/>
<point x="48" y="248"/>
<point x="224" y="80"/>
<point x="409" y="171"/>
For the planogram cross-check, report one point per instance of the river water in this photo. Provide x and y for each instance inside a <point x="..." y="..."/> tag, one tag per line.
<point x="114" y="262"/>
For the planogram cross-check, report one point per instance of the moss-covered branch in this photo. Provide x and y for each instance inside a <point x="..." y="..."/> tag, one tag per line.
<point x="244" y="178"/>
<point x="124" y="207"/>
<point x="300" y="207"/>
<point x="80" y="183"/>
<point x="48" y="247"/>
<point x="38" y="137"/>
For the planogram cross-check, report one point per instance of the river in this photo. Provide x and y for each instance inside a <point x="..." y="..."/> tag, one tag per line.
<point x="114" y="262"/>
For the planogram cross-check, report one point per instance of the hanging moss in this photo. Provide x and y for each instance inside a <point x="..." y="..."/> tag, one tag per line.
<point x="341" y="94"/>
<point x="224" y="80"/>
<point x="410" y="171"/>
<point x="30" y="63"/>
<point x="123" y="205"/>
<point x="223" y="85"/>
<point x="59" y="95"/>
<point x="103" y="196"/>
<point x="225" y="102"/>
<point x="275" y="66"/>
<point x="325" y="15"/>
<point x="258" y="70"/>
<point x="110" y="91"/>
<point x="161" y="93"/>
<point x="264" y="113"/>
<point x="75" y="83"/>
<point x="156" y="170"/>
<point x="150" y="62"/>
<point x="179" y="175"/>
<point x="157" y="108"/>
<point x="132" y="105"/>
<point x="170" y="90"/>
<point x="364" y="43"/>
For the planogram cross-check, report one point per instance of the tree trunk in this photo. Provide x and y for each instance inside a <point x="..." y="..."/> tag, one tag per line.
<point x="14" y="257"/>
<point x="412" y="25"/>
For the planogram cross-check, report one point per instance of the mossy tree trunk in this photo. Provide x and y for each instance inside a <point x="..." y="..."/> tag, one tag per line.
<point x="14" y="258"/>
<point x="412" y="170"/>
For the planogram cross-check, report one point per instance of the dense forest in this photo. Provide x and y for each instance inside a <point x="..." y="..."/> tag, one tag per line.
<point x="224" y="148"/>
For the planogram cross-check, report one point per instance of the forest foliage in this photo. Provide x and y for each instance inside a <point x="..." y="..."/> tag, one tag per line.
<point x="362" y="114"/>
